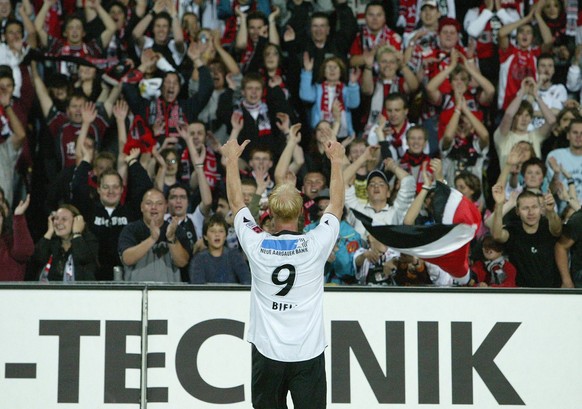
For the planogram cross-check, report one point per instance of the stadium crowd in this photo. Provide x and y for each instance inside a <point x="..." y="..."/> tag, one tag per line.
<point x="113" y="114"/>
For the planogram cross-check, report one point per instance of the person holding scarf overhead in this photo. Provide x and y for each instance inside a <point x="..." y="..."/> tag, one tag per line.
<point x="329" y="89"/>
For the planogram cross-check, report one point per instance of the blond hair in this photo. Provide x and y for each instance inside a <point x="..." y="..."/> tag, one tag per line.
<point x="285" y="202"/>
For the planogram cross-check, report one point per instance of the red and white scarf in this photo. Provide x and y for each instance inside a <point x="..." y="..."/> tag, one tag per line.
<point x="326" y="104"/>
<point x="368" y="40"/>
<point x="263" y="122"/>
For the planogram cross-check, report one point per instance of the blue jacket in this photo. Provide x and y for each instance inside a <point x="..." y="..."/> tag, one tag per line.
<point x="309" y="92"/>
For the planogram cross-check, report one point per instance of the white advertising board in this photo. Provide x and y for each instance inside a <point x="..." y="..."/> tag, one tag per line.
<point x="387" y="349"/>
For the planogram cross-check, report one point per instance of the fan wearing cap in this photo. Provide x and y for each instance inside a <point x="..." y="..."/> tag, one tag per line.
<point x="378" y="189"/>
<point x="519" y="62"/>
<point x="426" y="34"/>
<point x="339" y="268"/>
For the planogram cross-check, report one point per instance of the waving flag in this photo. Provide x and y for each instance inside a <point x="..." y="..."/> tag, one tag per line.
<point x="445" y="244"/>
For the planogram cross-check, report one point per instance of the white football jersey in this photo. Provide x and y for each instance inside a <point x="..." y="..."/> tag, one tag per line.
<point x="286" y="317"/>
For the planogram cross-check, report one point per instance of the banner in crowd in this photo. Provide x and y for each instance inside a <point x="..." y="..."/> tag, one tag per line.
<point x="80" y="348"/>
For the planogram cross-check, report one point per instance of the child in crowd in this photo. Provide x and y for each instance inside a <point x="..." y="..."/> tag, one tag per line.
<point x="218" y="263"/>
<point x="495" y="270"/>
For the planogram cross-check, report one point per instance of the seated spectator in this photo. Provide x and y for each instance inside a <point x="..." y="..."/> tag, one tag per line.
<point x="329" y="87"/>
<point x="530" y="241"/>
<point x="568" y="252"/>
<point x="376" y="264"/>
<point x="574" y="78"/>
<point x="514" y="126"/>
<point x="152" y="249"/>
<point x="496" y="270"/>
<point x="16" y="245"/>
<point x="68" y="251"/>
<point x="218" y="263"/>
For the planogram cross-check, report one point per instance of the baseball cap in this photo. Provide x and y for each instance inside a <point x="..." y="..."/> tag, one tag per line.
<point x="447" y="21"/>
<point x="323" y="194"/>
<point x="432" y="3"/>
<point x="377" y="173"/>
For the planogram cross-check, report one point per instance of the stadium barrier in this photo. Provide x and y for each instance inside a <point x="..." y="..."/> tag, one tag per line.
<point x="79" y="346"/>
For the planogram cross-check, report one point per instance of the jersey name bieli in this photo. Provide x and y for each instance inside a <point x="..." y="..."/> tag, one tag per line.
<point x="286" y="313"/>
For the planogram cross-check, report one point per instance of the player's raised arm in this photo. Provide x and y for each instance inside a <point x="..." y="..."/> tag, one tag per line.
<point x="336" y="154"/>
<point x="231" y="151"/>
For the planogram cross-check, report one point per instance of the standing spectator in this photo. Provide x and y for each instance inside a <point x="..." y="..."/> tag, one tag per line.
<point x="390" y="131"/>
<point x="568" y="252"/>
<point x="73" y="34"/>
<point x="218" y="264"/>
<point x="254" y="33"/>
<point x="329" y="88"/>
<point x="151" y="249"/>
<point x="68" y="251"/>
<point x="514" y="126"/>
<point x="394" y="76"/>
<point x="378" y="207"/>
<point x="12" y="138"/>
<point x="465" y="143"/>
<point x="16" y="245"/>
<point x="257" y="119"/>
<point x="519" y="63"/>
<point x="530" y="241"/>
<point x="483" y="23"/>
<point x="165" y="113"/>
<point x="373" y="34"/>
<point x="65" y="127"/>
<point x="168" y="37"/>
<point x="568" y="160"/>
<point x="554" y="95"/>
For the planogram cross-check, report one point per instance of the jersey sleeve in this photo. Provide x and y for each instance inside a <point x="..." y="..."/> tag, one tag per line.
<point x="327" y="232"/>
<point x="247" y="230"/>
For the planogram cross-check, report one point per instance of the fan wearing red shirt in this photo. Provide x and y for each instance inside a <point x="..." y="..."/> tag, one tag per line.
<point x="373" y="34"/>
<point x="519" y="62"/>
<point x="456" y="78"/>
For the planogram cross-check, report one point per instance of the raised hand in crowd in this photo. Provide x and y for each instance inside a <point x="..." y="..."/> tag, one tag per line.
<point x="22" y="206"/>
<point x="308" y="62"/>
<point x="171" y="231"/>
